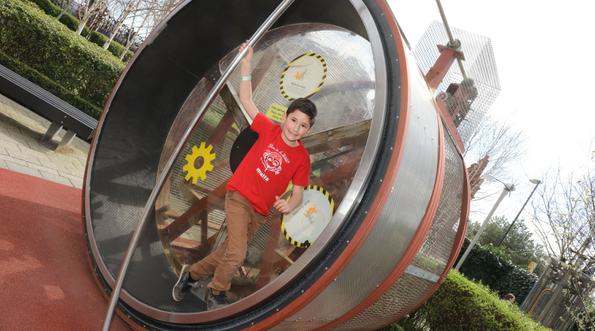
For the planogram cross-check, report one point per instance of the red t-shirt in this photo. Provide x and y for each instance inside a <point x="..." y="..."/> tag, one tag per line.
<point x="268" y="166"/>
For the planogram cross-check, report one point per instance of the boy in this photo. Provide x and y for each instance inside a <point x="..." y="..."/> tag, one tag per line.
<point x="276" y="158"/>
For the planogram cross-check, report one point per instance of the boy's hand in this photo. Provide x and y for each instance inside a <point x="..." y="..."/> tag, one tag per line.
<point x="248" y="57"/>
<point x="281" y="205"/>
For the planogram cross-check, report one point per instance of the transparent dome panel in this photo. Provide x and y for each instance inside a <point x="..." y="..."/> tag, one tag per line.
<point x="335" y="69"/>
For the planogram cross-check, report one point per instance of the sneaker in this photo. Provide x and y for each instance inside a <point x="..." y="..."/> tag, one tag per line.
<point x="216" y="301"/>
<point x="183" y="285"/>
<point x="200" y="289"/>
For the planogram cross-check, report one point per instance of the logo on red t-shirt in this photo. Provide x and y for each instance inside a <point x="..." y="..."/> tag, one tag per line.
<point x="272" y="161"/>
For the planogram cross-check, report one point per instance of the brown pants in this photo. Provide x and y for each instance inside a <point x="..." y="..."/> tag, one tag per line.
<point x="242" y="222"/>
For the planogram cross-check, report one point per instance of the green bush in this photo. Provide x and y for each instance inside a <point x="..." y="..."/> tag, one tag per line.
<point x="393" y="327"/>
<point x="54" y="10"/>
<point x="49" y="85"/>
<point x="114" y="47"/>
<point x="72" y="23"/>
<point x="35" y="39"/>
<point x="460" y="304"/>
<point x="48" y="7"/>
<point x="488" y="265"/>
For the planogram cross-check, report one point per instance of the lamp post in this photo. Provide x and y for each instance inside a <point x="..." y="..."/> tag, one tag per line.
<point x="507" y="189"/>
<point x="533" y="181"/>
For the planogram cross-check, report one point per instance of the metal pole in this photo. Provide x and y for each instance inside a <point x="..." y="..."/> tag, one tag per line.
<point x="451" y="39"/>
<point x="161" y="179"/>
<point x="519" y="213"/>
<point x="506" y="189"/>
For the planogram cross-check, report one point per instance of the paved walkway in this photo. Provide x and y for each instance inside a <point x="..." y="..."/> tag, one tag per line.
<point x="45" y="279"/>
<point x="22" y="151"/>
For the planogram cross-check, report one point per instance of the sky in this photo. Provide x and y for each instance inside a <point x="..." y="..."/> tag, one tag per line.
<point x="544" y="53"/>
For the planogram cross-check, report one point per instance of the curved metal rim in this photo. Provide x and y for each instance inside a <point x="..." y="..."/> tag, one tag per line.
<point x="344" y="209"/>
<point x="456" y="248"/>
<point x="414" y="246"/>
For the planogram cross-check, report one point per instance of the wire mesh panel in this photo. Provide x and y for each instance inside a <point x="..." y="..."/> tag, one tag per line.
<point x="405" y="293"/>
<point x="430" y="261"/>
<point x="437" y="247"/>
<point x="479" y="64"/>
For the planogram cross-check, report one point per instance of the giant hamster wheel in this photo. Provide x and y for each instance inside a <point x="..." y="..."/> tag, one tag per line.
<point x="378" y="146"/>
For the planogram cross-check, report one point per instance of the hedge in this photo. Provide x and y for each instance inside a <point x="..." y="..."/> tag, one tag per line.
<point x="72" y="23"/>
<point x="54" y="10"/>
<point x="31" y="37"/>
<point x="460" y="304"/>
<point x="49" y="85"/>
<point x="114" y="47"/>
<point x="498" y="273"/>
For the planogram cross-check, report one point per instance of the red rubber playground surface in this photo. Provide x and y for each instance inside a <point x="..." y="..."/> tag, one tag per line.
<point x="45" y="278"/>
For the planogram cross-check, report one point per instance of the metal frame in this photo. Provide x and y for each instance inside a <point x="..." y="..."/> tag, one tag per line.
<point x="404" y="261"/>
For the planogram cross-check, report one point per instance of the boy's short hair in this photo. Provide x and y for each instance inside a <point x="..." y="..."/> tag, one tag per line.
<point x="305" y="106"/>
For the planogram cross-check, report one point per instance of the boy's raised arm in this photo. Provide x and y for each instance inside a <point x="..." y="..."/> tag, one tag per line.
<point x="246" y="82"/>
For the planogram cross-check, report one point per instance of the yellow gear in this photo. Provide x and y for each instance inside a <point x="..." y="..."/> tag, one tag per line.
<point x="195" y="173"/>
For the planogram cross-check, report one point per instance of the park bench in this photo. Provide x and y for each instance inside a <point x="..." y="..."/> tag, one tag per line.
<point x="61" y="114"/>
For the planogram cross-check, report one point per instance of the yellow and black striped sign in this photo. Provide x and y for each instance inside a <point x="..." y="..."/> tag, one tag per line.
<point x="303" y="76"/>
<point x="302" y="226"/>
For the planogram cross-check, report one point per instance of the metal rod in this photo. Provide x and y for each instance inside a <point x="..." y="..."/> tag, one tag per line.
<point x="165" y="172"/>
<point x="506" y="189"/>
<point x="518" y="214"/>
<point x="450" y="36"/>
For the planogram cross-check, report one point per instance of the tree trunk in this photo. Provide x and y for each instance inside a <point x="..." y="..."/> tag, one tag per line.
<point x="113" y="34"/>
<point x="81" y="26"/>
<point x="124" y="53"/>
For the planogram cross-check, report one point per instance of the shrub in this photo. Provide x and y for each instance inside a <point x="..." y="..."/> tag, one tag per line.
<point x="489" y="266"/>
<point x="48" y="84"/>
<point x="52" y="9"/>
<point x="460" y="304"/>
<point x="114" y="47"/>
<point x="31" y="37"/>
<point x="48" y="7"/>
<point x="72" y="23"/>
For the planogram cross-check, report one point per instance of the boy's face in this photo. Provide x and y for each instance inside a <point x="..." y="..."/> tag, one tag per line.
<point x="294" y="126"/>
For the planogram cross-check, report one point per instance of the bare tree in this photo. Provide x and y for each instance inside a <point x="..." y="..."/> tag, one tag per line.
<point x="564" y="215"/>
<point x="499" y="142"/>
<point x="491" y="148"/>
<point x="124" y="8"/>
<point x="564" y="218"/>
<point x="156" y="11"/>
<point x="64" y="7"/>
<point x="141" y="17"/>
<point x="132" y="35"/>
<point x="86" y="10"/>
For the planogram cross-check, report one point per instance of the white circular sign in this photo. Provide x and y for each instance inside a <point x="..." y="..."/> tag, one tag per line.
<point x="302" y="226"/>
<point x="303" y="77"/>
